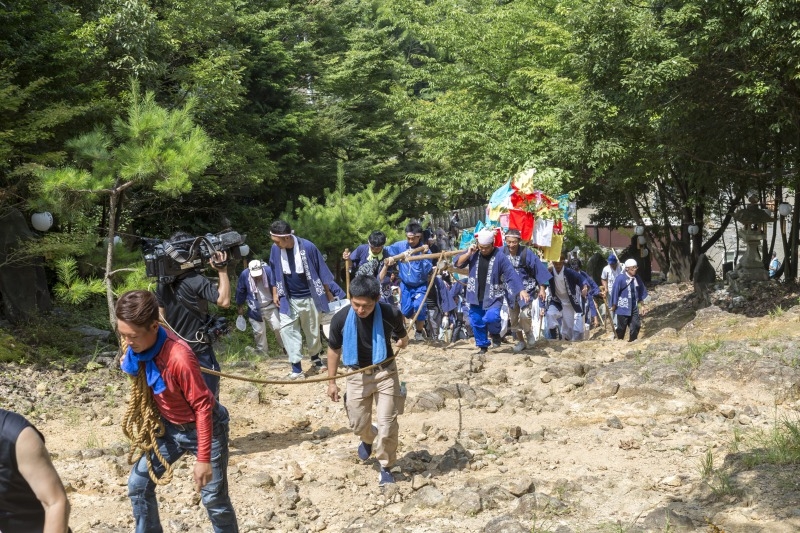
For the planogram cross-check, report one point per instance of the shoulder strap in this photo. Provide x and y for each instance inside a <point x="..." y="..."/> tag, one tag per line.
<point x="194" y="311"/>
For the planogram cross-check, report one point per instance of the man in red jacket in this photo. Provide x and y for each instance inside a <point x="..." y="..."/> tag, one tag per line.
<point x="194" y="421"/>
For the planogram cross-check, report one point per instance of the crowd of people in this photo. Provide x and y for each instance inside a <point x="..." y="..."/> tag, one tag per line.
<point x="501" y="290"/>
<point x="498" y="286"/>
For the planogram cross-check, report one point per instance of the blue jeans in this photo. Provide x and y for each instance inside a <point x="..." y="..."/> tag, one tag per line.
<point x="175" y="443"/>
<point x="207" y="359"/>
<point x="483" y="321"/>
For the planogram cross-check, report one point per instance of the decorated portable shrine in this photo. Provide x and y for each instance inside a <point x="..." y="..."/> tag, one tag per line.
<point x="517" y="204"/>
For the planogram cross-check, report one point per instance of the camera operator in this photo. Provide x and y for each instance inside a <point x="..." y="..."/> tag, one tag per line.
<point x="183" y="304"/>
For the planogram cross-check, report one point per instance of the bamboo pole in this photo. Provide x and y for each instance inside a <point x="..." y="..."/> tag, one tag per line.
<point x="438" y="255"/>
<point x="348" y="264"/>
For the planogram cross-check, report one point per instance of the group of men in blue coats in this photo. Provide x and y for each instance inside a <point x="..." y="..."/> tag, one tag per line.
<point x="296" y="286"/>
<point x="559" y="300"/>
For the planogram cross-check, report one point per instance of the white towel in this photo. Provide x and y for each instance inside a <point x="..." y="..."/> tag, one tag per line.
<point x="298" y="263"/>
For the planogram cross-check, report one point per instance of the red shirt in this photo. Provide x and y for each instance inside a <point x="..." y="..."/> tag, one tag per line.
<point x="187" y="397"/>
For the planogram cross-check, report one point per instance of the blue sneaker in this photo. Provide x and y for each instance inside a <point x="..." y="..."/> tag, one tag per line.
<point x="385" y="478"/>
<point x="364" y="451"/>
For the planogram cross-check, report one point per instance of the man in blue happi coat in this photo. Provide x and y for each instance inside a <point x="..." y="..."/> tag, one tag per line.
<point x="567" y="295"/>
<point x="627" y="295"/>
<point x="535" y="277"/>
<point x="491" y="274"/>
<point x="303" y="288"/>
<point x="368" y="259"/>
<point x="254" y="294"/>
<point x="589" y="305"/>
<point x="413" y="277"/>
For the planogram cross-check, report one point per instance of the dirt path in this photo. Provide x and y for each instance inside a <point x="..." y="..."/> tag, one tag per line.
<point x="594" y="436"/>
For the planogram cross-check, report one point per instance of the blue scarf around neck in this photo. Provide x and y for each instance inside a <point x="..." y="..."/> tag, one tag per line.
<point x="350" y="340"/>
<point x="130" y="363"/>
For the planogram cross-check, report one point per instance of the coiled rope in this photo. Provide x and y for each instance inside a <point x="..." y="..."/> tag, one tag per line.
<point x="142" y="425"/>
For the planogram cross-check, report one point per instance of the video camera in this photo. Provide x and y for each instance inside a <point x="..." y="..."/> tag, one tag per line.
<point x="168" y="260"/>
<point x="216" y="327"/>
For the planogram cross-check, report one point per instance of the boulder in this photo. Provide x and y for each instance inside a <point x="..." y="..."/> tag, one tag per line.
<point x="504" y="524"/>
<point x="666" y="519"/>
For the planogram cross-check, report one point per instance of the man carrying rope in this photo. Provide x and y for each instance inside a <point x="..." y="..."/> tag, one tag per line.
<point x="171" y="411"/>
<point x="361" y="335"/>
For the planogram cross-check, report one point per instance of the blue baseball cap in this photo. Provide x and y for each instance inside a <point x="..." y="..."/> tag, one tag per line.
<point x="612" y="258"/>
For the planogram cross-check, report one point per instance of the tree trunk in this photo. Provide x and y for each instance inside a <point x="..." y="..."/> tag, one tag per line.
<point x="660" y="257"/>
<point x="777" y="221"/>
<point x="706" y="246"/>
<point x="112" y="212"/>
<point x="791" y="272"/>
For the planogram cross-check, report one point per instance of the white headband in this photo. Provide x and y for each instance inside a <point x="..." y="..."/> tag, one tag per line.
<point x="485" y="237"/>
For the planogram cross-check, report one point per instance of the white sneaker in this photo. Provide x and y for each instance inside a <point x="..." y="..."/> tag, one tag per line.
<point x="296" y="375"/>
<point x="419" y="336"/>
<point x="530" y="343"/>
<point x="519" y="346"/>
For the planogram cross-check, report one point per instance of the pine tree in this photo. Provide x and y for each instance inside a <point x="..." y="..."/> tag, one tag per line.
<point x="152" y="147"/>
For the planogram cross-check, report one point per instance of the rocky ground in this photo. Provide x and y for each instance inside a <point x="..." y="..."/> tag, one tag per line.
<point x="599" y="436"/>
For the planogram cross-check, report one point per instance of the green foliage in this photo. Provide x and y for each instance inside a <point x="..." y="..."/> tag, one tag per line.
<point x="11" y="349"/>
<point x="486" y="78"/>
<point x="778" y="446"/>
<point x="346" y="220"/>
<point x="134" y="279"/>
<point x="152" y="147"/>
<point x="70" y="287"/>
<point x="722" y="484"/>
<point x="707" y="465"/>
<point x="45" y="89"/>
<point x="694" y="353"/>
<point x="50" y="246"/>
<point x="576" y="237"/>
<point x="659" y="111"/>
<point x="49" y="339"/>
<point x="777" y="312"/>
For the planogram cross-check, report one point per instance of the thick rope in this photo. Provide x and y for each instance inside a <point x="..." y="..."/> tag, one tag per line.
<point x="142" y="425"/>
<point x="299" y="381"/>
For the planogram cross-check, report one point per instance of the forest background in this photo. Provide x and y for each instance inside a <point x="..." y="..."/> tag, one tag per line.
<point x="140" y="118"/>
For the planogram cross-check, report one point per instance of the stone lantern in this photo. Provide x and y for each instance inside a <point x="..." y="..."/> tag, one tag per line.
<point x="754" y="220"/>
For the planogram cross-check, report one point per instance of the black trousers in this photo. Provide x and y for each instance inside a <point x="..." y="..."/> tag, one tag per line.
<point x="634" y="321"/>
<point x="434" y="322"/>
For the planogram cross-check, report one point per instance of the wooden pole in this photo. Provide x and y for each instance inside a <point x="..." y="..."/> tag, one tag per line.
<point x="347" y="265"/>
<point x="439" y="255"/>
<point x="400" y="257"/>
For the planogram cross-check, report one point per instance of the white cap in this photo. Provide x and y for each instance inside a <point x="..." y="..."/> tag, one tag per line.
<point x="630" y="263"/>
<point x="255" y="268"/>
<point x="485" y="236"/>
